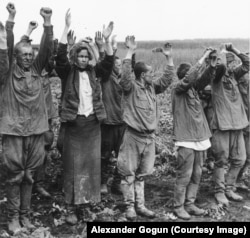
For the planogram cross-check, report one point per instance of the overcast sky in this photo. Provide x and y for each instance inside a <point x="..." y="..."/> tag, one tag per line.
<point x="146" y="19"/>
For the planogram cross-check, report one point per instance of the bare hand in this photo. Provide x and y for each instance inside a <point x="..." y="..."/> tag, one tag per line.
<point x="71" y="39"/>
<point x="11" y="8"/>
<point x="99" y="39"/>
<point x="229" y="47"/>
<point x="89" y="40"/>
<point x="68" y="18"/>
<point x="33" y="25"/>
<point x="46" y="12"/>
<point x="106" y="32"/>
<point x="114" y="42"/>
<point x="166" y="49"/>
<point x="130" y="43"/>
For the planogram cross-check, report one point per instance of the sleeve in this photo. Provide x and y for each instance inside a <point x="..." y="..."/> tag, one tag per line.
<point x="10" y="40"/>
<point x="206" y="78"/>
<point x="162" y="83"/>
<point x="126" y="77"/>
<point x="104" y="68"/>
<point x="46" y="46"/>
<point x="4" y="65"/>
<point x="62" y="62"/>
<point x="244" y="68"/>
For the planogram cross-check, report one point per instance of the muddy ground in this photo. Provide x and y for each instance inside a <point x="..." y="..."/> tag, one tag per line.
<point x="48" y="215"/>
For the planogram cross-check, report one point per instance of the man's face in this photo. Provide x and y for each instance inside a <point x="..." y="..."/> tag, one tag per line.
<point x="83" y="59"/>
<point x="147" y="76"/>
<point x="118" y="66"/>
<point x="231" y="65"/>
<point x="25" y="57"/>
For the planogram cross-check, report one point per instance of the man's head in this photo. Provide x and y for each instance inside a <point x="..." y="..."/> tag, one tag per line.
<point x="182" y="70"/>
<point x="143" y="72"/>
<point x="231" y="61"/>
<point x="24" y="54"/>
<point x="117" y="65"/>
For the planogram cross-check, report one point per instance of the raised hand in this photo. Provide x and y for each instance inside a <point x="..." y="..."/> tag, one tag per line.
<point x="114" y="42"/>
<point x="99" y="39"/>
<point x="167" y="49"/>
<point x="106" y="32"/>
<point x="71" y="39"/>
<point x="46" y="13"/>
<point x="11" y="8"/>
<point x="130" y="43"/>
<point x="33" y="25"/>
<point x="68" y="18"/>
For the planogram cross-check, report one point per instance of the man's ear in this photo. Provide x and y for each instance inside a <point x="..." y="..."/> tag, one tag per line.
<point x="143" y="75"/>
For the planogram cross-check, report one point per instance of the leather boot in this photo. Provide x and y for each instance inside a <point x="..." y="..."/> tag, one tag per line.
<point x="129" y="198"/>
<point x="26" y="192"/>
<point x="140" y="200"/>
<point x="231" y="180"/>
<point x="179" y="198"/>
<point x="194" y="210"/>
<point x="13" y="205"/>
<point x="221" y="198"/>
<point x="181" y="213"/>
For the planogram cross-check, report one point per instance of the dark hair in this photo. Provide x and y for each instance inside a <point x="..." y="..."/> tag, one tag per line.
<point x="182" y="70"/>
<point x="78" y="50"/>
<point x="139" y="68"/>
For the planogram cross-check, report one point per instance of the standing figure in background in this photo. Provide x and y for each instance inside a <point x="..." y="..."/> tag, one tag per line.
<point x="191" y="134"/>
<point x="137" y="152"/>
<point x="82" y="110"/>
<point x="228" y="121"/>
<point x="23" y="115"/>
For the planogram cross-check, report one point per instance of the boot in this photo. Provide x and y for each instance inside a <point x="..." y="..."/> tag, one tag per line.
<point x="233" y="196"/>
<point x="26" y="192"/>
<point x="231" y="180"/>
<point x="71" y="217"/>
<point x="194" y="210"/>
<point x="219" y="179"/>
<point x="14" y="225"/>
<point x="181" y="213"/>
<point x="129" y="199"/>
<point x="13" y="205"/>
<point x="231" y="177"/>
<point x="221" y="198"/>
<point x="140" y="201"/>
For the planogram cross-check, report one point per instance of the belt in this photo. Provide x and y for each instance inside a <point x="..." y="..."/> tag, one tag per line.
<point x="145" y="132"/>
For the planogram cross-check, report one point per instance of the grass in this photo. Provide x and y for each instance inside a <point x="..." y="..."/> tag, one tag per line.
<point x="183" y="50"/>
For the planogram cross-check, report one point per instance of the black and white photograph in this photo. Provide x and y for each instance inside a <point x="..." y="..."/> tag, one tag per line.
<point x="124" y="118"/>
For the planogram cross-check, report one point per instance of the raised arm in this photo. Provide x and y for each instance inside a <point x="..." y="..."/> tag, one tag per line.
<point x="209" y="74"/>
<point x="191" y="76"/>
<point x="166" y="79"/>
<point x="9" y="29"/>
<point x="244" y="68"/>
<point x="126" y="76"/>
<point x="62" y="62"/>
<point x="4" y="59"/>
<point x="104" y="67"/>
<point x="46" y="44"/>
